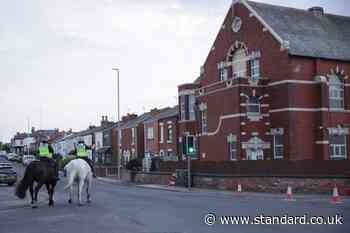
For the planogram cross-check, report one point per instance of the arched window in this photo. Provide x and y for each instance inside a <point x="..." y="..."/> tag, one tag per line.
<point x="239" y="63"/>
<point x="336" y="92"/>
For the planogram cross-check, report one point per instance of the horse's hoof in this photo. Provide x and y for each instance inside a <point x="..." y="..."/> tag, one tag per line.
<point x="89" y="201"/>
<point x="70" y="201"/>
<point x="34" y="206"/>
<point x="80" y="204"/>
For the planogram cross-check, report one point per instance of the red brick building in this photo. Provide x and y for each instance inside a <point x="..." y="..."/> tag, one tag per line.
<point x="161" y="133"/>
<point x="131" y="142"/>
<point x="274" y="86"/>
<point x="151" y="133"/>
<point x="168" y="134"/>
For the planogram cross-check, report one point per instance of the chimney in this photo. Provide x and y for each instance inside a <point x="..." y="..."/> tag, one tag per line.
<point x="154" y="111"/>
<point x="316" y="10"/>
<point x="129" y="117"/>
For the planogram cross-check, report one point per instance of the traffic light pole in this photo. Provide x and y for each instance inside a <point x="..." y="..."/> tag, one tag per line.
<point x="189" y="172"/>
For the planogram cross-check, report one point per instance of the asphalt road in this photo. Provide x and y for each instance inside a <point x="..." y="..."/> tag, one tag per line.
<point x="129" y="208"/>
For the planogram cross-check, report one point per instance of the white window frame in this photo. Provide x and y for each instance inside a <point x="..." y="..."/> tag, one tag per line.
<point x="183" y="107"/>
<point x="336" y="93"/>
<point x="338" y="147"/>
<point x="161" y="136"/>
<point x="239" y="63"/>
<point x="249" y="104"/>
<point x="150" y="133"/>
<point x="170" y="136"/>
<point x="255" y="69"/>
<point x="133" y="136"/>
<point x="278" y="146"/>
<point x="232" y="150"/>
<point x="204" y="121"/>
<point x="119" y="137"/>
<point x="191" y="104"/>
<point x="223" y="74"/>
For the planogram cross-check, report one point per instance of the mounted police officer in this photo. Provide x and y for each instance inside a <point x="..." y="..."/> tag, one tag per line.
<point x="45" y="154"/>
<point x="81" y="152"/>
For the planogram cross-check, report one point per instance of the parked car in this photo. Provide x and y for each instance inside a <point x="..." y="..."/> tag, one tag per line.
<point x="3" y="152"/>
<point x="27" y="159"/>
<point x="12" y="157"/>
<point x="8" y="174"/>
<point x="18" y="158"/>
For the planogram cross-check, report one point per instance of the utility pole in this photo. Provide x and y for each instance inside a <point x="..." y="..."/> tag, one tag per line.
<point x="118" y="120"/>
<point x="189" y="172"/>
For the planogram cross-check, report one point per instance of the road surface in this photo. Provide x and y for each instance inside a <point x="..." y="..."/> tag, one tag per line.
<point x="131" y="208"/>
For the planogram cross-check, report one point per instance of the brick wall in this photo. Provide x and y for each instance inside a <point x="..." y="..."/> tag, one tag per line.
<point x="265" y="167"/>
<point x="320" y="185"/>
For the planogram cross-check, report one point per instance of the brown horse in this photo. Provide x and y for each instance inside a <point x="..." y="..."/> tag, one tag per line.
<point x="42" y="173"/>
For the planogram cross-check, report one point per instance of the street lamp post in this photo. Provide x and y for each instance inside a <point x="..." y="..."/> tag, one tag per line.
<point x="118" y="120"/>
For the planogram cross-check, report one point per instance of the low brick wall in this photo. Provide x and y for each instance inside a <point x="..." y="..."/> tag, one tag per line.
<point x="150" y="178"/>
<point x="320" y="185"/>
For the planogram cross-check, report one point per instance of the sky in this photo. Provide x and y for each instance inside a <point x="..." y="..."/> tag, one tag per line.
<point x="56" y="57"/>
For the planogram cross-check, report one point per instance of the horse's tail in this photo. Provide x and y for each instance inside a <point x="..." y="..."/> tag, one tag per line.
<point x="70" y="181"/>
<point x="23" y="185"/>
<point x="70" y="173"/>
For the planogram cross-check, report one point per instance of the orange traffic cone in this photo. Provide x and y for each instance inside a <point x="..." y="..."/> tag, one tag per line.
<point x="335" y="197"/>
<point x="290" y="194"/>
<point x="239" y="188"/>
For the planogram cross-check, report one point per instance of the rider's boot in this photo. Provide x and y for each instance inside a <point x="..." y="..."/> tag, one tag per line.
<point x="57" y="178"/>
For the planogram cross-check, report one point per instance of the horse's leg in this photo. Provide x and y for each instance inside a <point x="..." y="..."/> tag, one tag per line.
<point x="80" y="189"/>
<point x="70" y="194"/>
<point x="53" y="185"/>
<point x="88" y="187"/>
<point x="36" y="191"/>
<point x="50" y="192"/>
<point x="31" y="190"/>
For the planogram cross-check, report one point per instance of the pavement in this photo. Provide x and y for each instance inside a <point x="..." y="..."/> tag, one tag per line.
<point x="124" y="208"/>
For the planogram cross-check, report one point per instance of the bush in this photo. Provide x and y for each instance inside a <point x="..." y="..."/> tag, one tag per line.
<point x="134" y="165"/>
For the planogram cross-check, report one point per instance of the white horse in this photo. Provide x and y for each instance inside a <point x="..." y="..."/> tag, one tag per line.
<point x="79" y="171"/>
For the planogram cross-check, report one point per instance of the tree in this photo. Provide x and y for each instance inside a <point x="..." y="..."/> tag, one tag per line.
<point x="5" y="147"/>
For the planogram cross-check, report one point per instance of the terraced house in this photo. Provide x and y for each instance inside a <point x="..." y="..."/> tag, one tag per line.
<point x="274" y="86"/>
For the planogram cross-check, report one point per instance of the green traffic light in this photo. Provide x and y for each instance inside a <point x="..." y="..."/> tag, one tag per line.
<point x="191" y="150"/>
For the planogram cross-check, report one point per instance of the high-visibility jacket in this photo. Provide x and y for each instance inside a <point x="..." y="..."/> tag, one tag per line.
<point x="81" y="151"/>
<point x="44" y="152"/>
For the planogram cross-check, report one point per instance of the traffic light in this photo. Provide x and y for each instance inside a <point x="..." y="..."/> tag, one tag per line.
<point x="189" y="146"/>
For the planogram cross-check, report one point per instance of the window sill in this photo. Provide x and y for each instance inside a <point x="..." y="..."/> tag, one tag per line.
<point x="338" y="157"/>
<point x="337" y="110"/>
<point x="254" y="116"/>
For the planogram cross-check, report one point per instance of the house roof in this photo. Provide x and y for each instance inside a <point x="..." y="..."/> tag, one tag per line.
<point x="163" y="113"/>
<point x="325" y="36"/>
<point x="174" y="111"/>
<point x="134" y="122"/>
